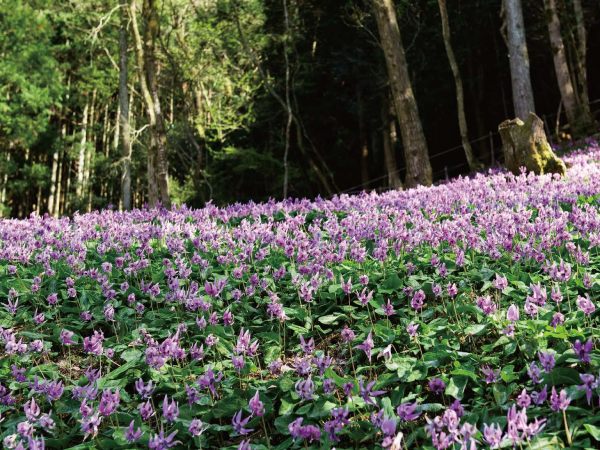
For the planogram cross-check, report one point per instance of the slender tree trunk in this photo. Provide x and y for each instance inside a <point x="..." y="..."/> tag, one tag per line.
<point x="158" y="186"/>
<point x="567" y="93"/>
<point x="460" y="98"/>
<point x="581" y="67"/>
<point x="52" y="198"/>
<point x="123" y="119"/>
<point x="416" y="156"/>
<point x="90" y="153"/>
<point x="288" y="105"/>
<point x="82" y="146"/>
<point x="362" y="138"/>
<point x="519" y="60"/>
<point x="389" y="138"/>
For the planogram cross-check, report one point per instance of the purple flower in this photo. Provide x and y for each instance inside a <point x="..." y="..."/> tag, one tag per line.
<point x="388" y="308"/>
<point x="32" y="410"/>
<point x="52" y="299"/>
<point x="131" y="434"/>
<point x="93" y="344"/>
<point x="307" y="347"/>
<point x="534" y="373"/>
<point x="66" y="337"/>
<point x="585" y="305"/>
<point x="256" y="406"/>
<point x="109" y="402"/>
<point x="588" y="382"/>
<point x="559" y="402"/>
<point x="196" y="427"/>
<point x="491" y="375"/>
<point x="557" y="319"/>
<point x="170" y="411"/>
<point x="436" y="385"/>
<point x="146" y="410"/>
<point x="160" y="442"/>
<point x="89" y="425"/>
<point x="513" y="313"/>
<point x="239" y="423"/>
<point x="547" y="361"/>
<point x="367" y="345"/>
<point x="418" y="299"/>
<point x="492" y="435"/>
<point x="367" y="393"/>
<point x="411" y="329"/>
<point x="524" y="400"/>
<point x="583" y="350"/>
<point x="452" y="289"/>
<point x="144" y="390"/>
<point x="305" y="389"/>
<point x="18" y="373"/>
<point x="407" y="412"/>
<point x="347" y="334"/>
<point x="500" y="282"/>
<point x="540" y="397"/>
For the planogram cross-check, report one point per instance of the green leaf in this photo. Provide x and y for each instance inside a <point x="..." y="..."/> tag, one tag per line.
<point x="456" y="387"/>
<point x="131" y="355"/>
<point x="593" y="430"/>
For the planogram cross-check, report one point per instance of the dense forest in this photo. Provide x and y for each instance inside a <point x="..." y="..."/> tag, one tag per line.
<point x="132" y="102"/>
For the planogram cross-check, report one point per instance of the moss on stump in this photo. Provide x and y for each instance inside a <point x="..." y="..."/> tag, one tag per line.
<point x="525" y="145"/>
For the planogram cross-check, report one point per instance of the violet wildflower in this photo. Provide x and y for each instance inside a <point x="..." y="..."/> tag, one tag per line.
<point x="512" y="314"/>
<point x="146" y="410"/>
<point x="411" y="329"/>
<point x="366" y="392"/>
<point x="559" y="402"/>
<point x="256" y="406"/>
<point x="588" y="382"/>
<point x="347" y="334"/>
<point x="109" y="402"/>
<point x="161" y="442"/>
<point x="239" y="423"/>
<point x="328" y="385"/>
<point x="492" y="435"/>
<point x="93" y="344"/>
<point x="145" y="390"/>
<point x="534" y="373"/>
<point x="367" y="345"/>
<point x="18" y="373"/>
<point x="583" y="350"/>
<point x="436" y="385"/>
<point x="66" y="337"/>
<point x="557" y="319"/>
<point x="305" y="389"/>
<point x="131" y="434"/>
<point x="585" y="305"/>
<point x="408" y="412"/>
<point x="540" y="397"/>
<point x="500" y="282"/>
<point x="524" y="400"/>
<point x="86" y="316"/>
<point x="170" y="411"/>
<point x="547" y="361"/>
<point x="197" y="427"/>
<point x="417" y="301"/>
<point x="452" y="290"/>
<point x="89" y="425"/>
<point x="307" y="347"/>
<point x="32" y="410"/>
<point x="46" y="422"/>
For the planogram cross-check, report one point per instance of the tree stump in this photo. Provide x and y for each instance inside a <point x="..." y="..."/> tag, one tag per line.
<point x="525" y="145"/>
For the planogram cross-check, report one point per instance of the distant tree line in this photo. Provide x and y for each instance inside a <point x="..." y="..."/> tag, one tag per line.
<point x="134" y="102"/>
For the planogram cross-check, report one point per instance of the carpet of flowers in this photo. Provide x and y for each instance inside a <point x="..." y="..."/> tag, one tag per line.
<point x="458" y="316"/>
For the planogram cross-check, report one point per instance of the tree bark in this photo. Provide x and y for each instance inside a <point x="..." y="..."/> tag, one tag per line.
<point x="416" y="155"/>
<point x="389" y="138"/>
<point x="581" y="83"/>
<point x="519" y="60"/>
<point x="158" y="184"/>
<point x="82" y="145"/>
<point x="525" y="145"/>
<point x="123" y="118"/>
<point x="362" y="138"/>
<point x="567" y="93"/>
<point x="460" y="97"/>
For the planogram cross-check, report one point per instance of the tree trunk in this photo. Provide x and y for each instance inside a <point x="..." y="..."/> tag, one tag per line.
<point x="123" y="119"/>
<point x="519" y="60"/>
<point x="416" y="156"/>
<point x="561" y="68"/>
<point x="362" y="138"/>
<point x="389" y="138"/>
<point x="52" y="198"/>
<point x="460" y="98"/>
<point x="82" y="146"/>
<point x="586" y="118"/>
<point x="158" y="184"/>
<point x="525" y="145"/>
